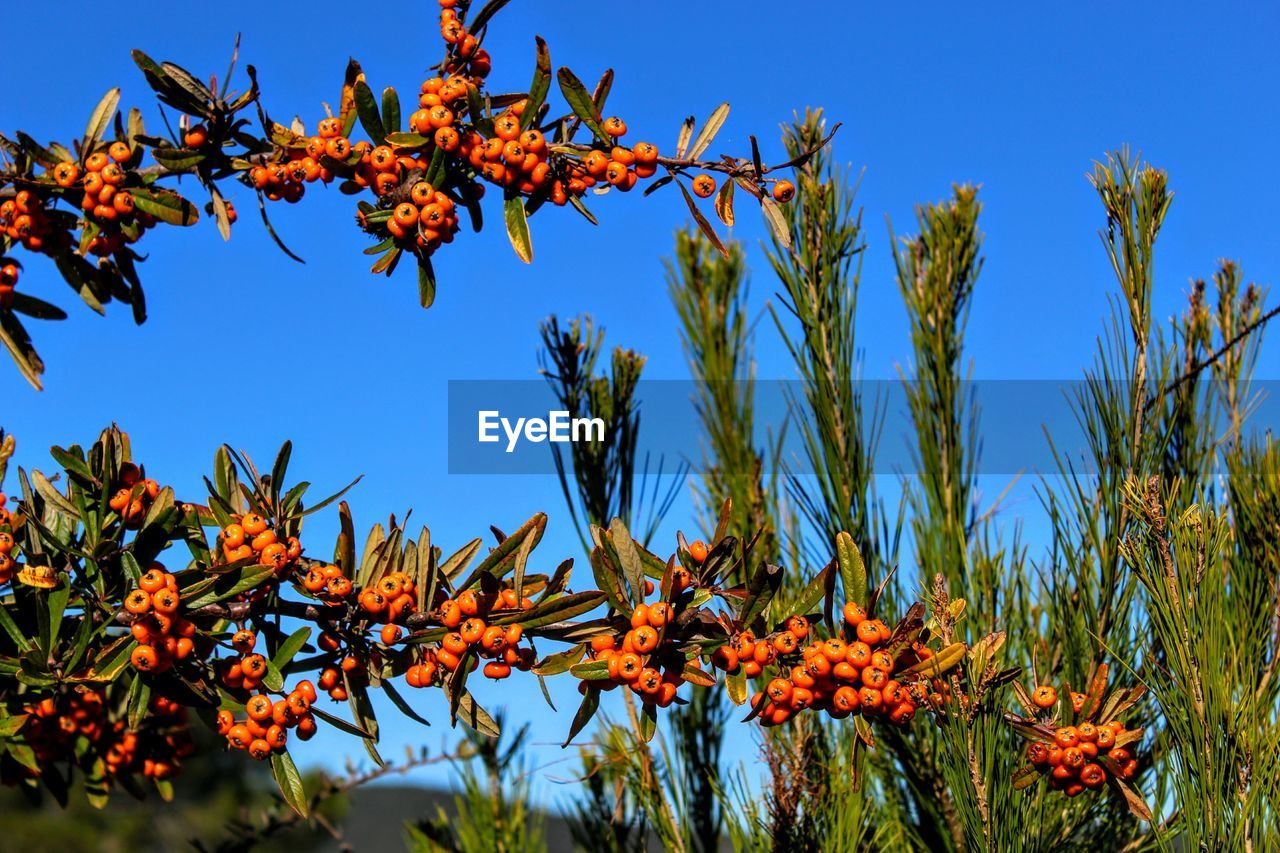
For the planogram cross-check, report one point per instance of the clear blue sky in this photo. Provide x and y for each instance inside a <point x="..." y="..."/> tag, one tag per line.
<point x="245" y="346"/>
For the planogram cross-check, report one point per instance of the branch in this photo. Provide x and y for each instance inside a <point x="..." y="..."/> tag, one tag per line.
<point x="1199" y="367"/>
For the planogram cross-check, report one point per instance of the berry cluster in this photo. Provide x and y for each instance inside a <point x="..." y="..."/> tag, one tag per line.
<point x="427" y="220"/>
<point x="841" y="675"/>
<point x="7" y="543"/>
<point x="250" y="537"/>
<point x="157" y="751"/>
<point x="328" y="583"/>
<point x="510" y="158"/>
<point x="247" y="672"/>
<point x="467" y="56"/>
<point x="646" y="660"/>
<point x="470" y="618"/>
<point x="388" y="601"/>
<point x="613" y="164"/>
<point x="265" y="728"/>
<point x="163" y="635"/>
<point x="133" y="496"/>
<point x="1082" y="757"/>
<point x="23" y="219"/>
<point x="286" y="179"/>
<point x="55" y="726"/>
<point x="105" y="202"/>
<point x="54" y="723"/>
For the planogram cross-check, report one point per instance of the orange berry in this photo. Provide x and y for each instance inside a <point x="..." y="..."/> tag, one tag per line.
<point x="497" y="670"/>
<point x="1044" y="696"/>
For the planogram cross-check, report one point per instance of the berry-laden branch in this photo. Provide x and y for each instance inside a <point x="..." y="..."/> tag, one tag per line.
<point x="128" y="618"/>
<point x="87" y="205"/>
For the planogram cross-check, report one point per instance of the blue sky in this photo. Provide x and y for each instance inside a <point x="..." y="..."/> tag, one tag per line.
<point x="245" y="346"/>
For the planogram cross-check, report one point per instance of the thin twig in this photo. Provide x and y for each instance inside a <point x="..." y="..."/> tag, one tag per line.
<point x="1199" y="367"/>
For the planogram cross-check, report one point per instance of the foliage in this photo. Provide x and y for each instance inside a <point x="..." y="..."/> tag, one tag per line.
<point x="95" y="198"/>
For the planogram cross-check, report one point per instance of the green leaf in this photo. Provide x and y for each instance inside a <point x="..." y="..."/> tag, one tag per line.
<point x="709" y="131"/>
<point x="129" y="563"/>
<point x="534" y="527"/>
<point x="476" y="718"/>
<point x="809" y="597"/>
<point x="941" y="663"/>
<point x="853" y="572"/>
<point x="582" y="104"/>
<point x="362" y="711"/>
<point x="312" y="510"/>
<point x="56" y="602"/>
<point x="290" y="647"/>
<point x="220" y="215"/>
<point x="480" y="111"/>
<point x="556" y="610"/>
<point x="648" y="722"/>
<point x="53" y="497"/>
<point x="408" y="140"/>
<point x="391" y="111"/>
<point x="607" y="579"/>
<point x="581" y="207"/>
<point x="112" y="660"/>
<point x="290" y="782"/>
<point x="724" y="203"/>
<point x="426" y="282"/>
<point x="686" y="134"/>
<point x="18" y="343"/>
<point x="486" y="13"/>
<point x="281" y="466"/>
<point x="457" y="562"/>
<point x="100" y="120"/>
<point x="761" y="587"/>
<point x="387" y="262"/>
<point x="703" y="224"/>
<point x="139" y="698"/>
<point x="401" y="703"/>
<point x="697" y="676"/>
<point x="435" y="171"/>
<point x="777" y="221"/>
<point x="177" y="159"/>
<point x="590" y="670"/>
<point x="736" y="686"/>
<point x="24" y="303"/>
<point x="540" y="86"/>
<point x="632" y="568"/>
<point x="9" y="726"/>
<point x="561" y="661"/>
<point x="199" y="93"/>
<point x="367" y="109"/>
<point x="341" y="724"/>
<point x="232" y="584"/>
<point x="165" y="205"/>
<point x="347" y="105"/>
<point x="518" y="227"/>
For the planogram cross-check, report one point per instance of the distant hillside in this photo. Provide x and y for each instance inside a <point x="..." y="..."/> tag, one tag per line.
<point x="375" y="821"/>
